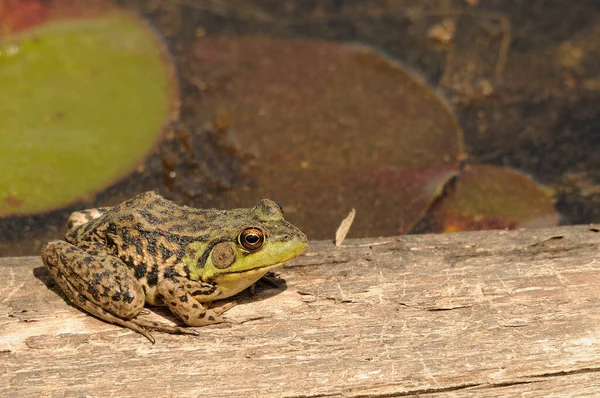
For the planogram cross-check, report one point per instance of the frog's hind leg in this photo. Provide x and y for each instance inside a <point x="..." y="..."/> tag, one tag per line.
<point x="83" y="303"/>
<point x="96" y="282"/>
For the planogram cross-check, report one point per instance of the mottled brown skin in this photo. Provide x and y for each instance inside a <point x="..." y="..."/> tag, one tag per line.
<point x="149" y="250"/>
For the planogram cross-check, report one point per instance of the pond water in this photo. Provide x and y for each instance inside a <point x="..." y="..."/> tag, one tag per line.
<point x="323" y="106"/>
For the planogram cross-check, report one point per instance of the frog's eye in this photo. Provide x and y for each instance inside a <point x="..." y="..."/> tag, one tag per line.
<point x="251" y="239"/>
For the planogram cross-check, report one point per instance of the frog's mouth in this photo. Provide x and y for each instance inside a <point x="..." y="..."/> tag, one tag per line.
<point x="258" y="270"/>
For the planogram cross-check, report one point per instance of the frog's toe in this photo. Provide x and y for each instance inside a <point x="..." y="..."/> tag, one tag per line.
<point x="107" y="316"/>
<point x="136" y="328"/>
<point x="232" y="321"/>
<point x="163" y="327"/>
<point x="222" y="308"/>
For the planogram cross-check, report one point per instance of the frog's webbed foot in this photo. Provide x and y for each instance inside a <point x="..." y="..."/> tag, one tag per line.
<point x="222" y="307"/>
<point x="161" y="327"/>
<point x="128" y="323"/>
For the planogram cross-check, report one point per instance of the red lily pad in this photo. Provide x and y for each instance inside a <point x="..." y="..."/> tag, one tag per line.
<point x="491" y="197"/>
<point x="332" y="127"/>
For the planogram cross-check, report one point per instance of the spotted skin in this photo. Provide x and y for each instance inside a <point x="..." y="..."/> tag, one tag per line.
<point x="149" y="250"/>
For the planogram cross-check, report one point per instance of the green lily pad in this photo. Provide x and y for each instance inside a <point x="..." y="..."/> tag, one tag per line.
<point x="491" y="197"/>
<point x="332" y="127"/>
<point x="83" y="102"/>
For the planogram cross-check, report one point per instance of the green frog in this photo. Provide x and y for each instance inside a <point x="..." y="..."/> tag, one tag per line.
<point x="149" y="250"/>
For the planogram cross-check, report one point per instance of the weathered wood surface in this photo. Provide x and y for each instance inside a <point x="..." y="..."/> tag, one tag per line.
<point x="486" y="314"/>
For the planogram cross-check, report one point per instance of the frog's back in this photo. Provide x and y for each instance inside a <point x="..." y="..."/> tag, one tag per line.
<point x="147" y="233"/>
<point x="137" y="227"/>
<point x="134" y="229"/>
<point x="147" y="211"/>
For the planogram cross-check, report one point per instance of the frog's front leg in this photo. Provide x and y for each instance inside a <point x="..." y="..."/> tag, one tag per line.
<point x="178" y="294"/>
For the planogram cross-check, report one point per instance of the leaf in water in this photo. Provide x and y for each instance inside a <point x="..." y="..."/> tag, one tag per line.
<point x="332" y="126"/>
<point x="83" y="102"/>
<point x="491" y="197"/>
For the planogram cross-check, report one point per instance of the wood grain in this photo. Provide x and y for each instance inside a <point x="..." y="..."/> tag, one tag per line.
<point x="481" y="314"/>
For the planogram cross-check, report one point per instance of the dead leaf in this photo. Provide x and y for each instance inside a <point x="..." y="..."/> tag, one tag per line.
<point x="344" y="227"/>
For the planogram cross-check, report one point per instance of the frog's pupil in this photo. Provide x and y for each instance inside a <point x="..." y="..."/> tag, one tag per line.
<point x="251" y="239"/>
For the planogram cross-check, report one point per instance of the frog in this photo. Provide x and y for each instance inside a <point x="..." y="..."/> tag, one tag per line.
<point x="150" y="251"/>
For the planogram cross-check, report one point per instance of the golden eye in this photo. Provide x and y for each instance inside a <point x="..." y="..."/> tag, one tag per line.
<point x="252" y="239"/>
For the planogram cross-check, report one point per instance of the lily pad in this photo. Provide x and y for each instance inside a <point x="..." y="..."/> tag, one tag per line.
<point x="491" y="197"/>
<point x="84" y="99"/>
<point x="332" y="127"/>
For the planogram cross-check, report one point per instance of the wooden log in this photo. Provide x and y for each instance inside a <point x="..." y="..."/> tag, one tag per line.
<point x="480" y="314"/>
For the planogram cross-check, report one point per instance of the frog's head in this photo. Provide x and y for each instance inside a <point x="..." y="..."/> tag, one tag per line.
<point x="257" y="240"/>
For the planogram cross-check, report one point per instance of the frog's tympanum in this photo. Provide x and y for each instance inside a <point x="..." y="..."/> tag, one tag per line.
<point x="151" y="250"/>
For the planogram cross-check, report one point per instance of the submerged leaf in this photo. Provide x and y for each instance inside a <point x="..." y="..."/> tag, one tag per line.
<point x="332" y="127"/>
<point x="491" y="197"/>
